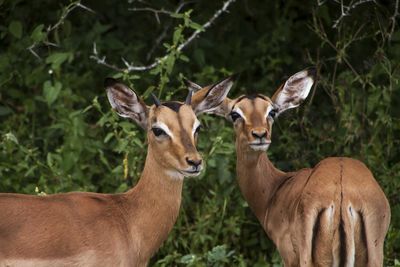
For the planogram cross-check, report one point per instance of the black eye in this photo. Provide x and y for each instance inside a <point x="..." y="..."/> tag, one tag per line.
<point x="198" y="129"/>
<point x="158" y="131"/>
<point x="272" y="113"/>
<point x="234" y="116"/>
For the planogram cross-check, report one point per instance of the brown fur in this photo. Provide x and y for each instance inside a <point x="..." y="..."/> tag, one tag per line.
<point x="334" y="214"/>
<point x="294" y="207"/>
<point x="90" y="229"/>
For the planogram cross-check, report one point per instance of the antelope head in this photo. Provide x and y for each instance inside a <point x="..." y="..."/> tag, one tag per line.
<point x="172" y="126"/>
<point x="254" y="115"/>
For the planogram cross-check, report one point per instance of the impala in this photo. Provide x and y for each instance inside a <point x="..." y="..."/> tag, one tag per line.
<point x="334" y="214"/>
<point x="90" y="229"/>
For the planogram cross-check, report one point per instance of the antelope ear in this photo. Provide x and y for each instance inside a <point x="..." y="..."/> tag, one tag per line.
<point x="192" y="86"/>
<point x="293" y="92"/>
<point x="126" y="102"/>
<point x="212" y="99"/>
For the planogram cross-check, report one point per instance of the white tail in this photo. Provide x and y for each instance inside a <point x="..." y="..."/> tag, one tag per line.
<point x="334" y="214"/>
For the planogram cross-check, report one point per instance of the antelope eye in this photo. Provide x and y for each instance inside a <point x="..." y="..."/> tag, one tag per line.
<point x="234" y="116"/>
<point x="197" y="129"/>
<point x="158" y="131"/>
<point x="272" y="113"/>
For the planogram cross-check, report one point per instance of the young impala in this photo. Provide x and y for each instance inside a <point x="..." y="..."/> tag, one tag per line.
<point x="334" y="214"/>
<point x="90" y="229"/>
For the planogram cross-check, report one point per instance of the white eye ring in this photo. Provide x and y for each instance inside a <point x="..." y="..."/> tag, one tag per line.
<point x="239" y="112"/>
<point x="271" y="112"/>
<point x="196" y="126"/>
<point x="163" y="127"/>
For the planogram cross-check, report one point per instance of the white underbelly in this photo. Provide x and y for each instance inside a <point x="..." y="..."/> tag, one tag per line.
<point x="88" y="258"/>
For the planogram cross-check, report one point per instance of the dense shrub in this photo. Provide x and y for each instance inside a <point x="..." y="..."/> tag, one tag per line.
<point x="58" y="133"/>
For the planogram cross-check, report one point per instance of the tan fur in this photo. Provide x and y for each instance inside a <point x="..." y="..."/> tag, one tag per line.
<point x="302" y="211"/>
<point x="90" y="229"/>
<point x="334" y="214"/>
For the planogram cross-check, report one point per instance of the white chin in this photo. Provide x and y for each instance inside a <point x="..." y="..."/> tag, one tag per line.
<point x="175" y="175"/>
<point x="190" y="174"/>
<point x="259" y="147"/>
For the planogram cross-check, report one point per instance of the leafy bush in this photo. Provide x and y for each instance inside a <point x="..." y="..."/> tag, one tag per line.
<point x="58" y="133"/>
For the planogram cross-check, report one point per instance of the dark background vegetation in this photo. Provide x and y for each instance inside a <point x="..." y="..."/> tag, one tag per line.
<point x="58" y="133"/>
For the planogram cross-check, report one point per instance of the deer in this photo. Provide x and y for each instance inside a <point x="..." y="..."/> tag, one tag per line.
<point x="334" y="214"/>
<point x="93" y="229"/>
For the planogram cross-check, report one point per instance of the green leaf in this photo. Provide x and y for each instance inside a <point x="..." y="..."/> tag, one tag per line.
<point x="177" y="35"/>
<point x="15" y="28"/>
<point x="177" y="15"/>
<point x="11" y="137"/>
<point x="57" y="59"/>
<point x="196" y="26"/>
<point x="218" y="254"/>
<point x="108" y="137"/>
<point x="184" y="58"/>
<point x="51" y="92"/>
<point x="169" y="63"/>
<point x="134" y="77"/>
<point x="4" y="110"/>
<point x="37" y="34"/>
<point x="188" y="259"/>
<point x="49" y="160"/>
<point x="156" y="70"/>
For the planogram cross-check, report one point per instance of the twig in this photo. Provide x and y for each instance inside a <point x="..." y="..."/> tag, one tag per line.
<point x="393" y="19"/>
<point x="321" y="2"/>
<point x="206" y="25"/>
<point x="129" y="67"/>
<point x="319" y="29"/>
<point x="102" y="61"/>
<point x="53" y="27"/>
<point x="165" y="31"/>
<point x="158" y="41"/>
<point x="345" y="10"/>
<point x="30" y="49"/>
<point x="154" y="11"/>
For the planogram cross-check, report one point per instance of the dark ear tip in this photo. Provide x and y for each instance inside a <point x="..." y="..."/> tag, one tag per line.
<point x="231" y="78"/>
<point x="234" y="77"/>
<point x="312" y="72"/>
<point x="188" y="82"/>
<point x="108" y="82"/>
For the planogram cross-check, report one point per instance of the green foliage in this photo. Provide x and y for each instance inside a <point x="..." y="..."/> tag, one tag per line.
<point x="58" y="133"/>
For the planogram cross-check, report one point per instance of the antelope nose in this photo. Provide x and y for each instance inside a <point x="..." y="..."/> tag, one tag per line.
<point x="194" y="162"/>
<point x="259" y="134"/>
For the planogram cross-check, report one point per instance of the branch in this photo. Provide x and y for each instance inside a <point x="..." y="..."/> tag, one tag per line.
<point x="65" y="14"/>
<point x="154" y="11"/>
<point x="129" y="68"/>
<point x="393" y="19"/>
<point x="320" y="31"/>
<point x="165" y="31"/>
<point x="345" y="10"/>
<point x="206" y="25"/>
<point x="51" y="28"/>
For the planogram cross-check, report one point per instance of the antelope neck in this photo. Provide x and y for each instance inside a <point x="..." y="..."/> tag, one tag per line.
<point x="153" y="205"/>
<point x="258" y="178"/>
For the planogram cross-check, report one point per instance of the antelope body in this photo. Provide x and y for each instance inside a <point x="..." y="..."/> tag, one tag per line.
<point x="90" y="229"/>
<point x="334" y="214"/>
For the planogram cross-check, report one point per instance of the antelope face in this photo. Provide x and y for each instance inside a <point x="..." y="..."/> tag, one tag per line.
<point x="253" y="115"/>
<point x="172" y="127"/>
<point x="172" y="134"/>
